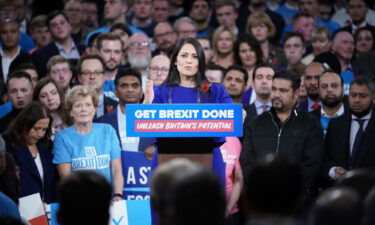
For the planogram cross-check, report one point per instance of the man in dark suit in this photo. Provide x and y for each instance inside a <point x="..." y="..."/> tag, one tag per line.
<point x="91" y="73"/>
<point x="128" y="89"/>
<point x="311" y="81"/>
<point x="63" y="44"/>
<point x="262" y="84"/>
<point x="350" y="138"/>
<point x="331" y="92"/>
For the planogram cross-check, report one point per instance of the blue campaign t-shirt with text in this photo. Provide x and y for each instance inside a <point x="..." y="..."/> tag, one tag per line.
<point x="92" y="151"/>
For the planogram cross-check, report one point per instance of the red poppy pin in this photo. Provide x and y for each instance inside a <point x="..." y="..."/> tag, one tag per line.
<point x="109" y="109"/>
<point x="205" y="87"/>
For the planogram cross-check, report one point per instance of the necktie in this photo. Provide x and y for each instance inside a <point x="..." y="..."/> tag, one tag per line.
<point x="264" y="108"/>
<point x="315" y="106"/>
<point x="358" y="138"/>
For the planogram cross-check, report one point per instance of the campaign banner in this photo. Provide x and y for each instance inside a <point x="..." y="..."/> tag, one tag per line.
<point x="136" y="169"/>
<point x="184" y="120"/>
<point x="129" y="212"/>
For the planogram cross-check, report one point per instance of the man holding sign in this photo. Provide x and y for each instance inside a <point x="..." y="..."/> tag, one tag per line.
<point x="284" y="132"/>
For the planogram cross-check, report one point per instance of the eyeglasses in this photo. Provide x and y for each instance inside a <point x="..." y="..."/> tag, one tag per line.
<point x="139" y="44"/>
<point x="156" y="69"/>
<point x="89" y="73"/>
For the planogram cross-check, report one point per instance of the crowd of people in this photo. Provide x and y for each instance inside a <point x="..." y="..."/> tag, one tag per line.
<point x="302" y="69"/>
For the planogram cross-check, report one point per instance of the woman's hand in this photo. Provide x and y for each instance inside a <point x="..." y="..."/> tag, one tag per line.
<point x="149" y="95"/>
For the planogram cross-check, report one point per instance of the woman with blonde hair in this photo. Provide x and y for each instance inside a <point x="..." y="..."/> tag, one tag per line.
<point x="262" y="28"/>
<point x="223" y="40"/>
<point x="321" y="41"/>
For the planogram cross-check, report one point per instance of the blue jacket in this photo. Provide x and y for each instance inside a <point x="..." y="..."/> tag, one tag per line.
<point x="30" y="181"/>
<point x="111" y="118"/>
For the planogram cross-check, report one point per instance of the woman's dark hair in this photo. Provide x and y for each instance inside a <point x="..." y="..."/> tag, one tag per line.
<point x="254" y="45"/>
<point x="64" y="116"/>
<point x="174" y="75"/>
<point x="24" y="122"/>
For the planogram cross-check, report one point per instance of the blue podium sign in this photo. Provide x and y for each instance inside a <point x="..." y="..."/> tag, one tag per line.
<point x="184" y="120"/>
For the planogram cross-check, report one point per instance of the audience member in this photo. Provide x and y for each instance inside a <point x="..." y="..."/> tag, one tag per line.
<point x="139" y="55"/>
<point x="234" y="81"/>
<point x="262" y="84"/>
<point x="248" y="54"/>
<point x="357" y="129"/>
<point x="141" y="17"/>
<point x="357" y="10"/>
<point x="185" y="27"/>
<point x="337" y="201"/>
<point x="222" y="44"/>
<point x="59" y="69"/>
<point x="19" y="92"/>
<point x="28" y="68"/>
<point x="9" y="178"/>
<point x="200" y="11"/>
<point x="63" y="44"/>
<point x="28" y="141"/>
<point x="51" y="95"/>
<point x="311" y="81"/>
<point x="123" y="31"/>
<point x="270" y="133"/>
<point x="91" y="74"/>
<point x="287" y="10"/>
<point x="294" y="48"/>
<point x="158" y="69"/>
<point x="40" y="33"/>
<point x="200" y="193"/>
<point x="84" y="198"/>
<point x="114" y="12"/>
<point x="364" y="40"/>
<point x="86" y="141"/>
<point x="8" y="206"/>
<point x="303" y="23"/>
<point x="214" y="73"/>
<point x="249" y="7"/>
<point x="321" y="41"/>
<point x="331" y="95"/>
<point x="207" y="48"/>
<point x="176" y="9"/>
<point x="9" y="37"/>
<point x="342" y="16"/>
<point x="129" y="91"/>
<point x="90" y="14"/>
<point x="261" y="27"/>
<point x="226" y="14"/>
<point x="110" y="49"/>
<point x="165" y="38"/>
<point x="263" y="185"/>
<point x="160" y="10"/>
<point x="73" y="10"/>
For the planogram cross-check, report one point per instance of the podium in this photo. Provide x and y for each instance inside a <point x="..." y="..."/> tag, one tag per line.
<point x="198" y="150"/>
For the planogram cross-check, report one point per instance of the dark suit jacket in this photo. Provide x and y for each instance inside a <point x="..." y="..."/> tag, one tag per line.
<point x="30" y="180"/>
<point x="41" y="56"/>
<point x="111" y="118"/>
<point x="337" y="145"/>
<point x="22" y="54"/>
<point x="109" y="106"/>
<point x="304" y="105"/>
<point x="318" y="112"/>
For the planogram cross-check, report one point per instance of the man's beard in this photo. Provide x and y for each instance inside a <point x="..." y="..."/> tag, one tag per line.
<point x="314" y="96"/>
<point x="264" y="96"/>
<point x="139" y="62"/>
<point x="363" y="113"/>
<point x="111" y="69"/>
<point x="332" y="102"/>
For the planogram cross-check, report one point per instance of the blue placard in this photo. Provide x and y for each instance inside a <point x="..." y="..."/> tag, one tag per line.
<point x="136" y="170"/>
<point x="184" y="120"/>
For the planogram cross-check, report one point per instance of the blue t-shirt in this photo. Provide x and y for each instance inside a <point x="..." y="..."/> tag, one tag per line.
<point x="8" y="207"/>
<point x="179" y="94"/>
<point x="92" y="151"/>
